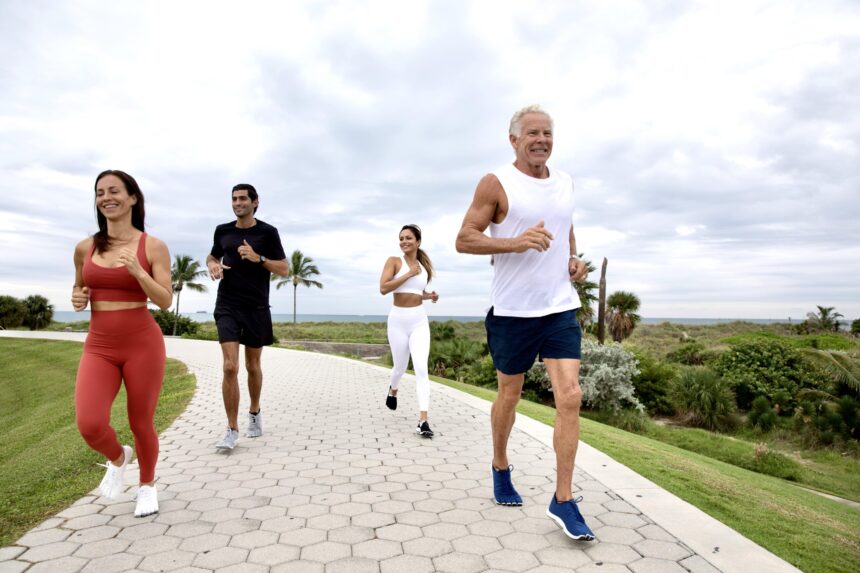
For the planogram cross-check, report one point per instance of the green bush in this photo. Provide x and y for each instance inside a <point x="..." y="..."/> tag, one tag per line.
<point x="452" y="357"/>
<point x="763" y="367"/>
<point x="704" y="399"/>
<point x="855" y="327"/>
<point x="165" y="319"/>
<point x="482" y="373"/>
<point x="652" y="384"/>
<point x="766" y="461"/>
<point x="606" y="377"/>
<point x="12" y="312"/>
<point x="762" y="415"/>
<point x="691" y="354"/>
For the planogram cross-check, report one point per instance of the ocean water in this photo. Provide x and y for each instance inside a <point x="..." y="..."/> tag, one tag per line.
<point x="69" y="316"/>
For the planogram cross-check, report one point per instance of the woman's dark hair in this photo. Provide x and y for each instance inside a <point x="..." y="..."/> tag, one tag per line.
<point x="422" y="256"/>
<point x="138" y="214"/>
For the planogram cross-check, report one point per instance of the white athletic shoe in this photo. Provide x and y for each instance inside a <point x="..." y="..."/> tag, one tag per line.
<point x="255" y="425"/>
<point x="111" y="484"/>
<point x="228" y="442"/>
<point x="147" y="501"/>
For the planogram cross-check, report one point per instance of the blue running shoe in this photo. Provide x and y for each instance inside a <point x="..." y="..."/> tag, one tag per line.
<point x="568" y="517"/>
<point x="503" y="489"/>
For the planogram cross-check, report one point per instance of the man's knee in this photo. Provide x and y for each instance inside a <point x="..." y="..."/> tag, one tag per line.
<point x="231" y="368"/>
<point x="253" y="367"/>
<point x="568" y="399"/>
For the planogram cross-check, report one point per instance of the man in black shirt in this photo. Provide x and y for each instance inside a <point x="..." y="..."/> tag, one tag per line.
<point x="243" y="256"/>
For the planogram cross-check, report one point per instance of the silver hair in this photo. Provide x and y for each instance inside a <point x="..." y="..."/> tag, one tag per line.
<point x="516" y="129"/>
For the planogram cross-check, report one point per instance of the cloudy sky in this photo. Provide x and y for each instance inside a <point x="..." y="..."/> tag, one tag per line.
<point x="714" y="146"/>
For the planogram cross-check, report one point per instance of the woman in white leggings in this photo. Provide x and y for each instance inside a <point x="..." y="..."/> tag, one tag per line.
<point x="408" y="328"/>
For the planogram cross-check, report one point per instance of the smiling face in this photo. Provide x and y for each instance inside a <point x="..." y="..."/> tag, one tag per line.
<point x="112" y="198"/>
<point x="243" y="205"/>
<point x="408" y="242"/>
<point x="534" y="144"/>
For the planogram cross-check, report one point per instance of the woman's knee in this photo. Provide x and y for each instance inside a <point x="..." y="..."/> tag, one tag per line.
<point x="92" y="429"/>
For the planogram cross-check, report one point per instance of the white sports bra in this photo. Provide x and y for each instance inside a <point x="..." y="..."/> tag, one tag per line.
<point x="414" y="285"/>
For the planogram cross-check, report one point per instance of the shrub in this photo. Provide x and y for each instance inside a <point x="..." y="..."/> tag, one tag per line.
<point x="606" y="377"/>
<point x="855" y="327"/>
<point x="12" y="312"/>
<point x="762" y="415"/>
<point x="165" y="319"/>
<point x="482" y="373"/>
<point x="763" y="367"/>
<point x="704" y="398"/>
<point x="451" y="358"/>
<point x="691" y="353"/>
<point x="766" y="461"/>
<point x="652" y="384"/>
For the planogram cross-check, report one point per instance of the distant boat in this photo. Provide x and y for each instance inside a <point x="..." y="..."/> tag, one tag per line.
<point x="202" y="311"/>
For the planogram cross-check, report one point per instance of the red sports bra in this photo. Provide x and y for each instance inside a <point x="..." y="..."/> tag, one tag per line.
<point x="116" y="284"/>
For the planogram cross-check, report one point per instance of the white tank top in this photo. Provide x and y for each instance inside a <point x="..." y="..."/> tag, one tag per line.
<point x="413" y="285"/>
<point x="534" y="283"/>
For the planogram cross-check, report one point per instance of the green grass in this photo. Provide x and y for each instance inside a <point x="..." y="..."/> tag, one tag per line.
<point x="44" y="463"/>
<point x="823" y="341"/>
<point x="812" y="533"/>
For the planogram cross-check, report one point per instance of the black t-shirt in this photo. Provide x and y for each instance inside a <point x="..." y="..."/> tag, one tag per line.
<point x="245" y="283"/>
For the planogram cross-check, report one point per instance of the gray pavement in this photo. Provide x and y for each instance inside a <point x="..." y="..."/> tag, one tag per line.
<point x="338" y="482"/>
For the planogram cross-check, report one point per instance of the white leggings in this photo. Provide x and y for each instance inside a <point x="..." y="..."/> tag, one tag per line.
<point x="409" y="333"/>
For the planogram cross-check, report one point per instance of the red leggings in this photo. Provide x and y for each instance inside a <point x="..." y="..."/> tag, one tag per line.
<point x="122" y="345"/>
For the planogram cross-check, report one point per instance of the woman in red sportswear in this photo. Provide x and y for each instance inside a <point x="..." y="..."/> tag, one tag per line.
<point x="116" y="271"/>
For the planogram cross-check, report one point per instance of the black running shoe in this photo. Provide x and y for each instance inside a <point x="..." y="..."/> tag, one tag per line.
<point x="424" y="429"/>
<point x="391" y="401"/>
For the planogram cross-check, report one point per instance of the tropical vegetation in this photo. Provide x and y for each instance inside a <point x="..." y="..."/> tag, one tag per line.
<point x="302" y="268"/>
<point x="621" y="316"/>
<point x="184" y="274"/>
<point x="34" y="312"/>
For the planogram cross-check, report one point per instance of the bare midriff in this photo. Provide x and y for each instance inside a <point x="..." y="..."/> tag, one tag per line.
<point x="407" y="300"/>
<point x="115" y="305"/>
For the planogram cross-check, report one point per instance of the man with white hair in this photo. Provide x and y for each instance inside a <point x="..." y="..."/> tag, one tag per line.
<point x="529" y="211"/>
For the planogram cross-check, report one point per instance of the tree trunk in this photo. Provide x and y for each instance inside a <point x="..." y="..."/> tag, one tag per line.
<point x="176" y="312"/>
<point x="601" y="304"/>
<point x="295" y="288"/>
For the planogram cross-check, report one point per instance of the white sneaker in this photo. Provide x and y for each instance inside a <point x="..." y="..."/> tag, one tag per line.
<point x="147" y="501"/>
<point x="255" y="425"/>
<point x="111" y="484"/>
<point x="228" y="442"/>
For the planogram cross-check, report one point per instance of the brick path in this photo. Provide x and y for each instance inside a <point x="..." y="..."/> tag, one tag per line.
<point x="339" y="483"/>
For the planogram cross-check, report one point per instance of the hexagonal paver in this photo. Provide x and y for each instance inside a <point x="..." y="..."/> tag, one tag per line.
<point x="49" y="551"/>
<point x="512" y="560"/>
<point x="325" y="552"/>
<point x="459" y="563"/>
<point x="661" y="550"/>
<point x="651" y="565"/>
<point x="221" y="557"/>
<point x="622" y="535"/>
<point x="612" y="553"/>
<point x="570" y="557"/>
<point x="254" y="539"/>
<point x="272" y="555"/>
<point x="410" y="563"/>
<point x="350" y="534"/>
<point x="353" y="565"/>
<point x="110" y="563"/>
<point x="303" y="537"/>
<point x="427" y="547"/>
<point x="61" y="565"/>
<point x="477" y="544"/>
<point x="167" y="561"/>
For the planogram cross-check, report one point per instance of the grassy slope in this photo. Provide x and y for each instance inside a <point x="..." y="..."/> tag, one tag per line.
<point x="44" y="463"/>
<point x="813" y="533"/>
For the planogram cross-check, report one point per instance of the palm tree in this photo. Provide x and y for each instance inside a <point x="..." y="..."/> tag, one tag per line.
<point x="183" y="274"/>
<point x="585" y="291"/>
<point x="40" y="312"/>
<point x="621" y="316"/>
<point x="825" y="319"/>
<point x="301" y="269"/>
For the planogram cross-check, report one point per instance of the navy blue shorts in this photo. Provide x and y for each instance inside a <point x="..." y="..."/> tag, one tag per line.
<point x="516" y="342"/>
<point x="249" y="326"/>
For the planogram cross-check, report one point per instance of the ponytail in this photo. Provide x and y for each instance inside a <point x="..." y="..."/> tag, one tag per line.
<point x="425" y="262"/>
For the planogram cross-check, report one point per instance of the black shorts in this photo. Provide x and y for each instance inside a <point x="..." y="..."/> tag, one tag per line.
<point x="249" y="326"/>
<point x="516" y="342"/>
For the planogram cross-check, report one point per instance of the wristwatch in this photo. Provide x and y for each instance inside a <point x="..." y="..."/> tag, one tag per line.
<point x="263" y="259"/>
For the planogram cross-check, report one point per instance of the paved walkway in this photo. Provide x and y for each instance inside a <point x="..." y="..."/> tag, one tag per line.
<point x="339" y="483"/>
